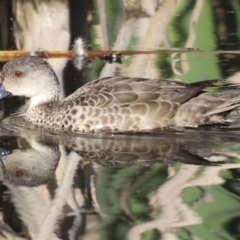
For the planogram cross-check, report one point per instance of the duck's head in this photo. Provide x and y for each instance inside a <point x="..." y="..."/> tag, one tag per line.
<point x="31" y="77"/>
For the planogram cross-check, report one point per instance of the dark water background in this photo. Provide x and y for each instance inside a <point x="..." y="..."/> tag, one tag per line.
<point x="174" y="184"/>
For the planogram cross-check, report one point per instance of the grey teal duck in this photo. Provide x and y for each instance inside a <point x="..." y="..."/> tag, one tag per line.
<point x="113" y="104"/>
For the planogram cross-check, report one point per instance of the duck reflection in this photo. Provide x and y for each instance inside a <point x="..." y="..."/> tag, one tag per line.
<point x="27" y="162"/>
<point x="142" y="150"/>
<point x="33" y="161"/>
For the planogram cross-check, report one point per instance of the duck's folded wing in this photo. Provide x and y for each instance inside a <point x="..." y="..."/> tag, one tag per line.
<point x="122" y="90"/>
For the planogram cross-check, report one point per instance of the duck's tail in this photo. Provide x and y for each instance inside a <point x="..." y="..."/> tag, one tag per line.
<point x="226" y="107"/>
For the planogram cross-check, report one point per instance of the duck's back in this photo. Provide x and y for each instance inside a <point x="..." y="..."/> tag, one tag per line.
<point x="123" y="90"/>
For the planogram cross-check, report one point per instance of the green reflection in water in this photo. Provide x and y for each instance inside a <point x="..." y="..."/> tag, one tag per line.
<point x="236" y="8"/>
<point x="179" y="25"/>
<point x="199" y="66"/>
<point x="216" y="206"/>
<point x="123" y="197"/>
<point x="206" y="65"/>
<point x="114" y="15"/>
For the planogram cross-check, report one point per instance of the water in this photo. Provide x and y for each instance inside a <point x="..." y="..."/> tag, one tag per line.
<point x="172" y="184"/>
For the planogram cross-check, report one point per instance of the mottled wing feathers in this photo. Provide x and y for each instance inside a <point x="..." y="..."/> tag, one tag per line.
<point x="122" y="90"/>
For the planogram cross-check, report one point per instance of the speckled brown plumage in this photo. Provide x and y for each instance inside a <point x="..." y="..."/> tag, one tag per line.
<point x="114" y="103"/>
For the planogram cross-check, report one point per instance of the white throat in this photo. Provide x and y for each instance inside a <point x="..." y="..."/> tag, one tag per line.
<point x="41" y="99"/>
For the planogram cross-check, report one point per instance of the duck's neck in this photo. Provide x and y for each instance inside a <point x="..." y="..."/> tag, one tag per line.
<point x="49" y="92"/>
<point x="44" y="112"/>
<point x="42" y="99"/>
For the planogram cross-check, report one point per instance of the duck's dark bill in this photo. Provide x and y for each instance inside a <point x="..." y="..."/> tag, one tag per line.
<point x="3" y="153"/>
<point x="3" y="93"/>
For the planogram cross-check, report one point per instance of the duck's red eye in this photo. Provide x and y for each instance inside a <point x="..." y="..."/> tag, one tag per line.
<point x="19" y="173"/>
<point x="18" y="73"/>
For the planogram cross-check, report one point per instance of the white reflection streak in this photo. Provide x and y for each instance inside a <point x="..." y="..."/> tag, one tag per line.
<point x="144" y="65"/>
<point x="60" y="198"/>
<point x="103" y="22"/>
<point x="122" y="40"/>
<point x="192" y="33"/>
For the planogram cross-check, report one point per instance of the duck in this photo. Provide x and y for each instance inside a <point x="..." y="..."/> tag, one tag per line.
<point x="113" y="104"/>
